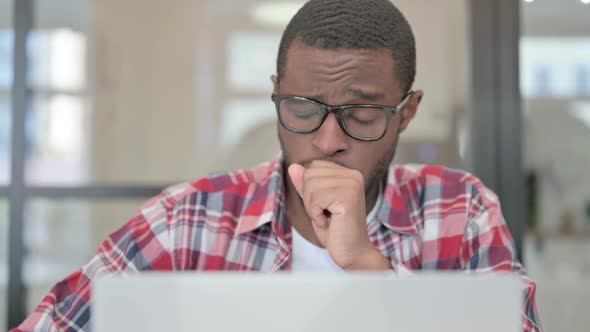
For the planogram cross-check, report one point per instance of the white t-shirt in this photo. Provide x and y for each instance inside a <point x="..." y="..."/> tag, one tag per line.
<point x="309" y="258"/>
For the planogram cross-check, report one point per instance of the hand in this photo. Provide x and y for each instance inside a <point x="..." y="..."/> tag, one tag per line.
<point x="334" y="199"/>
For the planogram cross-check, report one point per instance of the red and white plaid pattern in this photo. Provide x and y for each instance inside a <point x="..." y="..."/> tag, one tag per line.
<point x="431" y="218"/>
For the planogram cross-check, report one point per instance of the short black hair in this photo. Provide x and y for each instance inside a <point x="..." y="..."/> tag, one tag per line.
<point x="353" y="24"/>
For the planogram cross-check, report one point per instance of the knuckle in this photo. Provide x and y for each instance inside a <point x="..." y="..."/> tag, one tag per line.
<point x="358" y="177"/>
<point x="309" y="174"/>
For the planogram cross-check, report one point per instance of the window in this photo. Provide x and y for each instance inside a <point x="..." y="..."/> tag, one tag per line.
<point x="62" y="235"/>
<point x="6" y="73"/>
<point x="3" y="261"/>
<point x="583" y="79"/>
<point x="6" y="40"/>
<point x="555" y="67"/>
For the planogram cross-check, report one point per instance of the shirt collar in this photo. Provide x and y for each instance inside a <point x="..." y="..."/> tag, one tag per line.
<point x="264" y="200"/>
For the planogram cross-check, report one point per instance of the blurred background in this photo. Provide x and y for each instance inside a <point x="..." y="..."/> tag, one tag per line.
<point x="110" y="101"/>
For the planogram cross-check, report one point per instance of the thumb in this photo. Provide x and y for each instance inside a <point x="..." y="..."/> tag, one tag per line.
<point x="296" y="175"/>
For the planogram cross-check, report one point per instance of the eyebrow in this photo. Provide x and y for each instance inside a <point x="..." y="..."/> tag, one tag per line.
<point x="357" y="93"/>
<point x="364" y="95"/>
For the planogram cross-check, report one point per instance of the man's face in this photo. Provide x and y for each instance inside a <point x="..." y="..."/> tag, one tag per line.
<point x="339" y="77"/>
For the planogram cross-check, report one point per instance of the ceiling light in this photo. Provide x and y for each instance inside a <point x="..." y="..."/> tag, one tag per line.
<point x="274" y="13"/>
<point x="586" y="2"/>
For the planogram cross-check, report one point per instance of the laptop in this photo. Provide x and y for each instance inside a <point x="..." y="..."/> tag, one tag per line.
<point x="231" y="302"/>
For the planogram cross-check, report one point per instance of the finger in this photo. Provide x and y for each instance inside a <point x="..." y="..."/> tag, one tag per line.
<point x="319" y="186"/>
<point x="319" y="217"/>
<point x="296" y="172"/>
<point x="319" y="181"/>
<point x="325" y="164"/>
<point x="331" y="202"/>
<point x="332" y="173"/>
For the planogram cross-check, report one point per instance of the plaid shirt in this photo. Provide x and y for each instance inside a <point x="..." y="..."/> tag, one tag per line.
<point x="430" y="218"/>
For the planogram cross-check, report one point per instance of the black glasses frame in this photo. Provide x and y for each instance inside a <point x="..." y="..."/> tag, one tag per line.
<point x="390" y="111"/>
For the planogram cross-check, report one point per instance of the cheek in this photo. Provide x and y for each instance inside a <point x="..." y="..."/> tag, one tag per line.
<point x="294" y="145"/>
<point x="367" y="157"/>
<point x="361" y="156"/>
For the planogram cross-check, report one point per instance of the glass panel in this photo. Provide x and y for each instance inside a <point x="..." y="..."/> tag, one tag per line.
<point x="6" y="49"/>
<point x="57" y="58"/>
<point x="252" y="60"/>
<point x="59" y="119"/>
<point x="58" y="140"/>
<point x="3" y="262"/>
<point x="5" y="139"/>
<point x="116" y="106"/>
<point x="6" y="42"/>
<point x="61" y="236"/>
<point x="555" y="67"/>
<point x="241" y="117"/>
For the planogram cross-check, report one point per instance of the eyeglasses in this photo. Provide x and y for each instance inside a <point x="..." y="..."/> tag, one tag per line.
<point x="362" y="122"/>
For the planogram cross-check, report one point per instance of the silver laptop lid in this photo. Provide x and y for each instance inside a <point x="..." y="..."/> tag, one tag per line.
<point x="233" y="302"/>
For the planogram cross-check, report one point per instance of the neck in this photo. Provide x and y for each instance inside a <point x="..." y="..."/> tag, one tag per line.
<point x="371" y="198"/>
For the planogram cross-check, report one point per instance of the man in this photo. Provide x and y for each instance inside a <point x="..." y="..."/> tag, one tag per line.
<point x="333" y="200"/>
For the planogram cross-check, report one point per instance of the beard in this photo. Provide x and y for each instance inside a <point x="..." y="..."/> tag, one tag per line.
<point x="377" y="174"/>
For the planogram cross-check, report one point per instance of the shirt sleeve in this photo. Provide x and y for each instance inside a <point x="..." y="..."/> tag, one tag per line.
<point x="136" y="246"/>
<point x="488" y="247"/>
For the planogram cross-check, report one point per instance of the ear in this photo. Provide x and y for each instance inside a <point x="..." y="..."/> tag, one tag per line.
<point x="409" y="111"/>
<point x="275" y="83"/>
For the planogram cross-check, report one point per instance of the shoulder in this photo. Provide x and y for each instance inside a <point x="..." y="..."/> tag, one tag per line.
<point x="236" y="181"/>
<point x="187" y="212"/>
<point x="218" y="192"/>
<point x="435" y="185"/>
<point x="217" y="200"/>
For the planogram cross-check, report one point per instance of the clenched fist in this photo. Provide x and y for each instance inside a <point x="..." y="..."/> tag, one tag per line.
<point x="334" y="199"/>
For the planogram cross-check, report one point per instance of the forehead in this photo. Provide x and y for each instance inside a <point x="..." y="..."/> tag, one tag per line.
<point x="312" y="68"/>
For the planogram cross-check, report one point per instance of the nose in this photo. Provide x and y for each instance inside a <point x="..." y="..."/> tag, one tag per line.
<point x="329" y="138"/>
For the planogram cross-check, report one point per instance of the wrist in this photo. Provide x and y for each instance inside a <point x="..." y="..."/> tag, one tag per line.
<point x="370" y="260"/>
